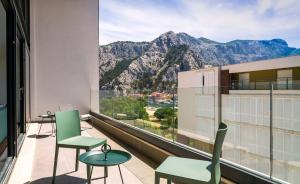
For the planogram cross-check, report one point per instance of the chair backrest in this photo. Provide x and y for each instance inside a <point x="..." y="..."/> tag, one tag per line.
<point x="67" y="124"/>
<point x="66" y="107"/>
<point x="215" y="166"/>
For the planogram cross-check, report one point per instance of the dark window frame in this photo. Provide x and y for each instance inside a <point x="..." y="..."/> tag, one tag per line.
<point x="11" y="88"/>
<point x="13" y="23"/>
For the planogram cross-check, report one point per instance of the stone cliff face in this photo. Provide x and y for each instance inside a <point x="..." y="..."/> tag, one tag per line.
<point x="113" y="53"/>
<point x="125" y="65"/>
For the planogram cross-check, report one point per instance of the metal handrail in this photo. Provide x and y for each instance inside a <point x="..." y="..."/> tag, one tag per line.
<point x="283" y="83"/>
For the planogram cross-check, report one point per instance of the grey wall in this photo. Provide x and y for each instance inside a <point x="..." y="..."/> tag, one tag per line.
<point x="64" y="53"/>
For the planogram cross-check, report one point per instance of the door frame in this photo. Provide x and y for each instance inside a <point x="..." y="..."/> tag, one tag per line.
<point x="22" y="82"/>
<point x="13" y="22"/>
<point x="11" y="78"/>
<point x="14" y="29"/>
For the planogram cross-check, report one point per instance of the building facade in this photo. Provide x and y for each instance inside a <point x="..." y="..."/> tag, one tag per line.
<point x="259" y="101"/>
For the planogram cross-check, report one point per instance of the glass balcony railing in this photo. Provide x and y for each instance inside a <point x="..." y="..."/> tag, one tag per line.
<point x="264" y="128"/>
<point x="285" y="83"/>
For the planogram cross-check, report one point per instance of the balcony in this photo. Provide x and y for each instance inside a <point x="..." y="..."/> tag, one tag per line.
<point x="286" y="83"/>
<point x="58" y="65"/>
<point x="261" y="143"/>
<point x="37" y="155"/>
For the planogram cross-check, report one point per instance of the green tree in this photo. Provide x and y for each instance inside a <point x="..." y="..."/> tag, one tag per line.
<point x="143" y="114"/>
<point x="163" y="113"/>
<point x="132" y="107"/>
<point x="166" y="115"/>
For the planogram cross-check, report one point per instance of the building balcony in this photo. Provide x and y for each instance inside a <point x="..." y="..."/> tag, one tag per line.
<point x="285" y="83"/>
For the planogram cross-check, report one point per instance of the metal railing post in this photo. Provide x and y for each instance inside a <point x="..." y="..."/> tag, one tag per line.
<point x="242" y="84"/>
<point x="271" y="130"/>
<point x="112" y="107"/>
<point x="173" y="126"/>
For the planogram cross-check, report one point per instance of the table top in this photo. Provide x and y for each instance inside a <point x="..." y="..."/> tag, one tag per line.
<point x="46" y="116"/>
<point x="96" y="158"/>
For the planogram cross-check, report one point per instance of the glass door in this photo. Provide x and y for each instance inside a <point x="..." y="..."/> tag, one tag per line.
<point x="3" y="88"/>
<point x="12" y="82"/>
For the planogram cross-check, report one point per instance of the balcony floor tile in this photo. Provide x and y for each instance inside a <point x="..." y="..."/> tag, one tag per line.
<point x="136" y="171"/>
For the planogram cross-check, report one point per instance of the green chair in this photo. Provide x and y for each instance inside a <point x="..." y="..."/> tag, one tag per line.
<point x="68" y="135"/>
<point x="191" y="171"/>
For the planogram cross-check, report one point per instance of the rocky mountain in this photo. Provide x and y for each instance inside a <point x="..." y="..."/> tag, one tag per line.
<point x="125" y="65"/>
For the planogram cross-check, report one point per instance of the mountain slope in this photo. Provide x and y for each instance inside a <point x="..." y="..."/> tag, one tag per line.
<point x="155" y="64"/>
<point x="119" y="51"/>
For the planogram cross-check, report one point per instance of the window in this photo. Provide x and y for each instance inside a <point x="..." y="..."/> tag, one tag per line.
<point x="284" y="79"/>
<point x="244" y="80"/>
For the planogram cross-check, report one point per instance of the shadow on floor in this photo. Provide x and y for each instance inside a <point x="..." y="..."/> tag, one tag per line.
<point x="41" y="136"/>
<point x="61" y="179"/>
<point x="129" y="148"/>
<point x="86" y="128"/>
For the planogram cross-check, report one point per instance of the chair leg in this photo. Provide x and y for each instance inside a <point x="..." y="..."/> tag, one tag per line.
<point x="77" y="157"/>
<point x="55" y="163"/>
<point x="157" y="178"/>
<point x="169" y="181"/>
<point x="121" y="174"/>
<point x="52" y="124"/>
<point x="41" y="125"/>
<point x="91" y="174"/>
<point x="88" y="171"/>
<point x="105" y="173"/>
<point x="40" y="128"/>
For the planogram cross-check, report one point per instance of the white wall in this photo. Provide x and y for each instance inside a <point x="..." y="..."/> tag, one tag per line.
<point x="248" y="138"/>
<point x="196" y="114"/>
<point x="198" y="104"/>
<point x="64" y="53"/>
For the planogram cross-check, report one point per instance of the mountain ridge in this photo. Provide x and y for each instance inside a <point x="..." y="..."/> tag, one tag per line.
<point x="148" y="64"/>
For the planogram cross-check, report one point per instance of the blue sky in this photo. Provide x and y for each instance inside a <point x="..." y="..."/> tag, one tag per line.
<point x="223" y="21"/>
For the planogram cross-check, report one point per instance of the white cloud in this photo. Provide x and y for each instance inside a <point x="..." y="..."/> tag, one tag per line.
<point x="218" y="21"/>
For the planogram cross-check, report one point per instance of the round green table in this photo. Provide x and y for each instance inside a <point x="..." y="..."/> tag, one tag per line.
<point x="97" y="158"/>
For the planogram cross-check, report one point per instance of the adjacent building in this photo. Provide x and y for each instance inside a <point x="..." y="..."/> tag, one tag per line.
<point x="241" y="96"/>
